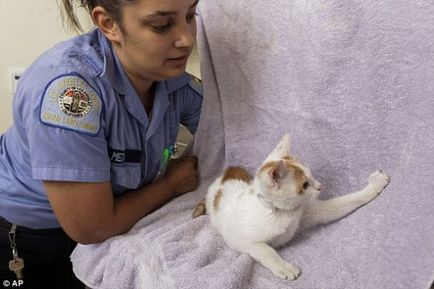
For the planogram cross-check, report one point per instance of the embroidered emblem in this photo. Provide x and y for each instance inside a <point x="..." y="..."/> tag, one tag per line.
<point x="70" y="102"/>
<point x="75" y="101"/>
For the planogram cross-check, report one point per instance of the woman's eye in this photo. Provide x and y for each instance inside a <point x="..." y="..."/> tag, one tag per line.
<point x="305" y="185"/>
<point x="191" y="16"/>
<point x="162" y="28"/>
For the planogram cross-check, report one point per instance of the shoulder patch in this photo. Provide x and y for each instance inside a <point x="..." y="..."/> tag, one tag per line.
<point x="70" y="102"/>
<point x="196" y="84"/>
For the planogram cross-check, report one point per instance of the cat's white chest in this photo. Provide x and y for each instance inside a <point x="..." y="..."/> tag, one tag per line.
<point x="285" y="227"/>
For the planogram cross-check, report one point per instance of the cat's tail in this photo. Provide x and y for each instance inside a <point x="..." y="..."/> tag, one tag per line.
<point x="200" y="209"/>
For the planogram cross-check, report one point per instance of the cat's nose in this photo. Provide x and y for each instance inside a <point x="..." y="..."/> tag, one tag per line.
<point x="318" y="186"/>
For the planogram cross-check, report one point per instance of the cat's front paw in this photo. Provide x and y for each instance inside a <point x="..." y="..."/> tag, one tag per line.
<point x="286" y="271"/>
<point x="378" y="180"/>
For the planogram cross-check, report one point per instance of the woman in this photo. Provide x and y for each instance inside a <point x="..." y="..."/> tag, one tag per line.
<point x="95" y="120"/>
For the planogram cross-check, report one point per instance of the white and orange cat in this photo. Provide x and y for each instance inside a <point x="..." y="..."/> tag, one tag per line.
<point x="256" y="214"/>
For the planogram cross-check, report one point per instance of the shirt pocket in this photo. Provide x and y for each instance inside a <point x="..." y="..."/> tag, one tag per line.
<point x="126" y="175"/>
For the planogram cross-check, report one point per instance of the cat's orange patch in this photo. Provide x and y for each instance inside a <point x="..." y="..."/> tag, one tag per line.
<point x="267" y="166"/>
<point x="298" y="174"/>
<point x="217" y="199"/>
<point x="299" y="178"/>
<point x="236" y="173"/>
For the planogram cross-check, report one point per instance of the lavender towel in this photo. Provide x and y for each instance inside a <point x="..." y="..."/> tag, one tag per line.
<point x="353" y="84"/>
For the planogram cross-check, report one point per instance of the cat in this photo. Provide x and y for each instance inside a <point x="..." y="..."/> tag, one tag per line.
<point x="255" y="215"/>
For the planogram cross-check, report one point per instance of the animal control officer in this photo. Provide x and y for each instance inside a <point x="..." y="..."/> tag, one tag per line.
<point x="95" y="121"/>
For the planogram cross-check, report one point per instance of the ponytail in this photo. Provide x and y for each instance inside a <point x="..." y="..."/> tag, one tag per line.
<point x="113" y="7"/>
<point x="69" y="15"/>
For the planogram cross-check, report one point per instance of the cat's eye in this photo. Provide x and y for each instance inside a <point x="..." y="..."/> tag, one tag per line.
<point x="305" y="185"/>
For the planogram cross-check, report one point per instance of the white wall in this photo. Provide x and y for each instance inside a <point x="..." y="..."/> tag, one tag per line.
<point x="193" y="65"/>
<point x="29" y="28"/>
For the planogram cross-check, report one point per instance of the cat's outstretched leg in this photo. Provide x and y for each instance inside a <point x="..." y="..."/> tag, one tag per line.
<point x="270" y="259"/>
<point x="322" y="212"/>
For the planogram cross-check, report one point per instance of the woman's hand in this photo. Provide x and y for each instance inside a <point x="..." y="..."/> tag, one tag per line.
<point x="182" y="175"/>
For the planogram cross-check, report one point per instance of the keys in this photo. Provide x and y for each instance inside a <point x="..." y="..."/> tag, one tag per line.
<point x="17" y="264"/>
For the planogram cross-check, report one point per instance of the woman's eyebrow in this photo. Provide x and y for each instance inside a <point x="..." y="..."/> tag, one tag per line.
<point x="168" y="13"/>
<point x="194" y="4"/>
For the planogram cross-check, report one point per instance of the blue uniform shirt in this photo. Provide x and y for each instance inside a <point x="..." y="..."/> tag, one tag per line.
<point x="78" y="118"/>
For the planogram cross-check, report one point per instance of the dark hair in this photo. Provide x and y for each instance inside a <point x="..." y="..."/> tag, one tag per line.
<point x="113" y="7"/>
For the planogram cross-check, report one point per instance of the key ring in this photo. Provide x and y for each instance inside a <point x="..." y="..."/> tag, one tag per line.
<point x="12" y="235"/>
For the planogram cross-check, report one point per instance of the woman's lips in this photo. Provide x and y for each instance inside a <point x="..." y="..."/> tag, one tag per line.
<point x="179" y="61"/>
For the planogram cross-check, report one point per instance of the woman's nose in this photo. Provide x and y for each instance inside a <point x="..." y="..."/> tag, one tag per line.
<point x="186" y="37"/>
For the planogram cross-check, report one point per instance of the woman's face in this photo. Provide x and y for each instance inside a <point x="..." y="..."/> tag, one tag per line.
<point x="157" y="38"/>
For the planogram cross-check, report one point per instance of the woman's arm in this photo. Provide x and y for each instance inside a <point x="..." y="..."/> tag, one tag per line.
<point x="89" y="213"/>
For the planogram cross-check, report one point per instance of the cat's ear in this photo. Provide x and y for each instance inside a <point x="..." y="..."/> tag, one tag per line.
<point x="276" y="173"/>
<point x="281" y="150"/>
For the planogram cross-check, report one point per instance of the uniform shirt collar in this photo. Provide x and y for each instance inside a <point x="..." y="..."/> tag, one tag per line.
<point x="115" y="74"/>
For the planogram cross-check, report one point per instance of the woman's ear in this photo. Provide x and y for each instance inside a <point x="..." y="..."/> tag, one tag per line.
<point x="104" y="21"/>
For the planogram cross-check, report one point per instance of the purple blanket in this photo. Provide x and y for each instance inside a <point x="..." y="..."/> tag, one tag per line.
<point x="353" y="84"/>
